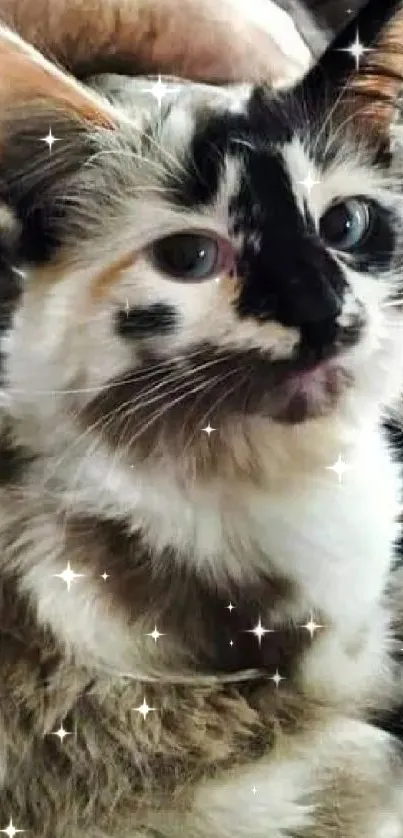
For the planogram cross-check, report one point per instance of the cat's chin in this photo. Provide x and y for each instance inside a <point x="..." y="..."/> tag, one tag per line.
<point x="310" y="394"/>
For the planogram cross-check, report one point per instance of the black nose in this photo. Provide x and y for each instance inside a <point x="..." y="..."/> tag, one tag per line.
<point x="318" y="340"/>
<point x="310" y="285"/>
<point x="298" y="284"/>
<point x="326" y="338"/>
<point x="311" y="302"/>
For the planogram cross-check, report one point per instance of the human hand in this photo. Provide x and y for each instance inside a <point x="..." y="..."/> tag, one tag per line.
<point x="209" y="40"/>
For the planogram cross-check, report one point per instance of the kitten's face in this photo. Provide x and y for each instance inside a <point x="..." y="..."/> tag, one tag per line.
<point x="237" y="267"/>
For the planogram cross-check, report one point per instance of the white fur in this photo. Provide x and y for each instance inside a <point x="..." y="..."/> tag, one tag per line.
<point x="274" y="797"/>
<point x="334" y="541"/>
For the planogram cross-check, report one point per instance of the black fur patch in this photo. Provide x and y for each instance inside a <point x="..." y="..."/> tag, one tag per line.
<point x="287" y="273"/>
<point x="289" y="276"/>
<point x="327" y="77"/>
<point x="147" y="321"/>
<point x="189" y="607"/>
<point x="13" y="459"/>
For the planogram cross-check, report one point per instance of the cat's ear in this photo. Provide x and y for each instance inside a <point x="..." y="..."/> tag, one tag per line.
<point x="362" y="69"/>
<point x="47" y="122"/>
<point x="28" y="79"/>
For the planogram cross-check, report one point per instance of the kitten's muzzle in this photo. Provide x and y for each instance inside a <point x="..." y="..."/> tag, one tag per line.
<point x="326" y="339"/>
<point x="312" y="383"/>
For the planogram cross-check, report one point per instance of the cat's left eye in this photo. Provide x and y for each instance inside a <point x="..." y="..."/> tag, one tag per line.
<point x="192" y="256"/>
<point x="346" y="225"/>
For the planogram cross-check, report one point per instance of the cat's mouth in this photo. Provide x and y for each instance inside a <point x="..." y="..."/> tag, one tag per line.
<point x="174" y="399"/>
<point x="309" y="392"/>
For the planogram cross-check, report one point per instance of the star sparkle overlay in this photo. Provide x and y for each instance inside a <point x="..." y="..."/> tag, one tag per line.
<point x="155" y="634"/>
<point x="159" y="90"/>
<point x="311" y="626"/>
<point x="68" y="576"/>
<point x="356" y="49"/>
<point x="61" y="733"/>
<point x="19" y="272"/>
<point x="11" y="830"/>
<point x="208" y="430"/>
<point x="339" y="467"/>
<point x="309" y="182"/>
<point x="276" y="678"/>
<point x="144" y="709"/>
<point x="50" y="140"/>
<point x="259" y="631"/>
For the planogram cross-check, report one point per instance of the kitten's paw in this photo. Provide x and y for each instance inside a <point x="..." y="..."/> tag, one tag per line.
<point x="343" y="781"/>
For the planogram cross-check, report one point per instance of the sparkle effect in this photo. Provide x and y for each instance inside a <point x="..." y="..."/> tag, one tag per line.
<point x="144" y="708"/>
<point x="68" y="576"/>
<point x="61" y="733"/>
<point x="159" y="90"/>
<point x="259" y="631"/>
<point x="311" y="626"/>
<point x="105" y="576"/>
<point x="339" y="467"/>
<point x="155" y="634"/>
<point x="19" y="272"/>
<point x="11" y="830"/>
<point x="50" y="140"/>
<point x="230" y="607"/>
<point x="208" y="429"/>
<point x="277" y="678"/>
<point x="308" y="183"/>
<point x="356" y="50"/>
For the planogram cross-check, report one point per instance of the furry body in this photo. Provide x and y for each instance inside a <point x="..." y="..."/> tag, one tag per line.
<point x="111" y="369"/>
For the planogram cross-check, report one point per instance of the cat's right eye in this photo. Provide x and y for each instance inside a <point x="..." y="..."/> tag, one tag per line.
<point x="192" y="256"/>
<point x="346" y="225"/>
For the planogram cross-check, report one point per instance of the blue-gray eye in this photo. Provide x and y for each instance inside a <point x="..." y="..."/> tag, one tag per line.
<point x="346" y="225"/>
<point x="191" y="257"/>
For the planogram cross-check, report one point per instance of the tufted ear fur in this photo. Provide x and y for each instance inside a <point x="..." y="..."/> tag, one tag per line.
<point x="26" y="76"/>
<point x="37" y="98"/>
<point x="369" y="85"/>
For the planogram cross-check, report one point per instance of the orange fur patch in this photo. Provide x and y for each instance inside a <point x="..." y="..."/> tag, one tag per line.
<point x="26" y="75"/>
<point x="110" y="276"/>
<point x="381" y="77"/>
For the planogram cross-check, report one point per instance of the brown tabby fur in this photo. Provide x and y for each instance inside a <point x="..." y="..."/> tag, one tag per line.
<point x="115" y="769"/>
<point x="216" y="711"/>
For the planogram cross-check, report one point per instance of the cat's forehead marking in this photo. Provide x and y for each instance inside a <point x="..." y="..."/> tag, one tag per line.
<point x="305" y="175"/>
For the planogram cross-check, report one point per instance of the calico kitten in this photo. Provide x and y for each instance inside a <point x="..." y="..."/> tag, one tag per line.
<point x="196" y="621"/>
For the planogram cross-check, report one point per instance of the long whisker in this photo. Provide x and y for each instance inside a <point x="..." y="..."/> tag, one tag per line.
<point x="166" y="362"/>
<point x="329" y="117"/>
<point x="178" y="375"/>
<point x="168" y="407"/>
<point x="215" y="404"/>
<point x="132" y="155"/>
